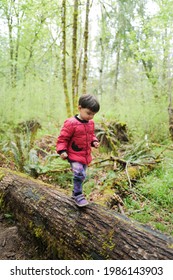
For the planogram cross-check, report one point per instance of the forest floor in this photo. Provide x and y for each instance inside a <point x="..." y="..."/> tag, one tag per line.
<point x="102" y="184"/>
<point x="12" y="245"/>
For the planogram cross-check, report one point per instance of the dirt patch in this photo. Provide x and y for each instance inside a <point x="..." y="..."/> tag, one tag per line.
<point x="12" y="244"/>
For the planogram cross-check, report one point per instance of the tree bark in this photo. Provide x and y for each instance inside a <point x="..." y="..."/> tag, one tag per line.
<point x="86" y="34"/>
<point x="64" y="65"/>
<point x="64" y="231"/>
<point x="74" y="56"/>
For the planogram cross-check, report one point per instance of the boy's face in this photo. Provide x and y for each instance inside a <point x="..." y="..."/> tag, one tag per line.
<point x="85" y="113"/>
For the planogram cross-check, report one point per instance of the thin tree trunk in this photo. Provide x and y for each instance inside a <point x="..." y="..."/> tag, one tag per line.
<point x="31" y="47"/>
<point x="16" y="51"/>
<point x="74" y="56"/>
<point x="117" y="67"/>
<point x="102" y="54"/>
<point x="13" y="21"/>
<point x="170" y="108"/>
<point x="77" y="75"/>
<point x="86" y="32"/>
<point x="11" y="44"/>
<point x="64" y="73"/>
<point x="101" y="68"/>
<point x="64" y="231"/>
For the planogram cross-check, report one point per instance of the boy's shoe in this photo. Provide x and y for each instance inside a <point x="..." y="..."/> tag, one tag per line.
<point x="80" y="200"/>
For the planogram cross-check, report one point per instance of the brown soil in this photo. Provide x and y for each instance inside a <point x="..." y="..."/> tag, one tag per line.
<point x="12" y="244"/>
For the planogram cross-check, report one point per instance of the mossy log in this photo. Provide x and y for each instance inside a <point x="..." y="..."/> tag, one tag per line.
<point x="64" y="231"/>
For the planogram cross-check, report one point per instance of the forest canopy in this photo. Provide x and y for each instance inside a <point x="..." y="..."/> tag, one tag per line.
<point x="53" y="51"/>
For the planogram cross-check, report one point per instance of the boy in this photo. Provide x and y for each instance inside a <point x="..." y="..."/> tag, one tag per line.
<point x="75" y="141"/>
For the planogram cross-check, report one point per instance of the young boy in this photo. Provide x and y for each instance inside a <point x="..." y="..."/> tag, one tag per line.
<point x="75" y="141"/>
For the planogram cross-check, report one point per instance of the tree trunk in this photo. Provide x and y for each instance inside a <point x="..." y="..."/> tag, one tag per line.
<point x="117" y="66"/>
<point x="74" y="57"/>
<point x="170" y="106"/>
<point x="64" y="231"/>
<point x="84" y="77"/>
<point x="64" y="51"/>
<point x="11" y="45"/>
<point x="170" y="114"/>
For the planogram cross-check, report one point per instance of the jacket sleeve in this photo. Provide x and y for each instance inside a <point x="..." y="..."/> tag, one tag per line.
<point x="65" y="135"/>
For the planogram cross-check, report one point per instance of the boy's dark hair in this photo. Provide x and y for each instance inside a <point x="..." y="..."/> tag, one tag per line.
<point x="90" y="102"/>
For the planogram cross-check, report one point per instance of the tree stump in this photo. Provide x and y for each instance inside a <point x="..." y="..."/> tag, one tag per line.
<point x="64" y="231"/>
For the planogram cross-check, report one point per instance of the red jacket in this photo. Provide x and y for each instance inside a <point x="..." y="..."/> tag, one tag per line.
<point x="76" y="138"/>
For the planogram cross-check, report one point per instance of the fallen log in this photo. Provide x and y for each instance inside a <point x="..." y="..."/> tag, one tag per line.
<point x="64" y="231"/>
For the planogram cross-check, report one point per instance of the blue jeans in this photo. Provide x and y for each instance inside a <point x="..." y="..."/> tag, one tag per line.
<point x="79" y="175"/>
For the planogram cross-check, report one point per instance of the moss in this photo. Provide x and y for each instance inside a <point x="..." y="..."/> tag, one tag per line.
<point x="38" y="232"/>
<point x="2" y="174"/>
<point x="105" y="195"/>
<point x="1" y="202"/>
<point x="49" y="247"/>
<point x="107" y="243"/>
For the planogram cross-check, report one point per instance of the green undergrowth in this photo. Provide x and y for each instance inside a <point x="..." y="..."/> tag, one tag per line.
<point x="149" y="200"/>
<point x="153" y="202"/>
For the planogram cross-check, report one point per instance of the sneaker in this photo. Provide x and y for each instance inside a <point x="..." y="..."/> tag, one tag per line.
<point x="80" y="200"/>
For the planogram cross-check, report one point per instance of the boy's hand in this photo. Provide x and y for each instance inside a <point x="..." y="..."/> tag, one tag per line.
<point x="96" y="144"/>
<point x="64" y="155"/>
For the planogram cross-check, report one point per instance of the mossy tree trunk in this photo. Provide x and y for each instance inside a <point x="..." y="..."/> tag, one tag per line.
<point x="85" y="64"/>
<point x="64" y="231"/>
<point x="64" y="51"/>
<point x="74" y="57"/>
